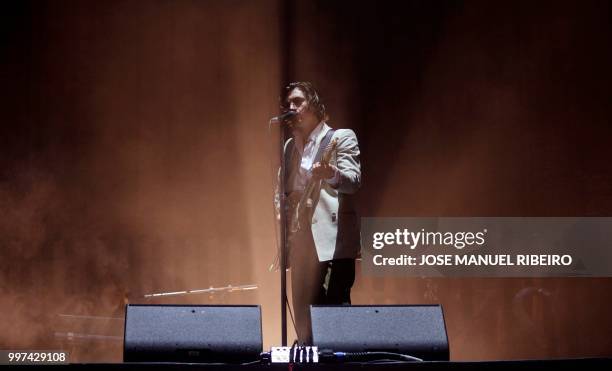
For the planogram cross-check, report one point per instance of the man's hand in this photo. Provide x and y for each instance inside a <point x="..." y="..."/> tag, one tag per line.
<point x="323" y="171"/>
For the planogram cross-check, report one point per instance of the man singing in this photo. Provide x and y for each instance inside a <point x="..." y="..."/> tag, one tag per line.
<point x="323" y="249"/>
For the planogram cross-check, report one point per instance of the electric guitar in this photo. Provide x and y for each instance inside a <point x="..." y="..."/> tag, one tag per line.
<point x="301" y="209"/>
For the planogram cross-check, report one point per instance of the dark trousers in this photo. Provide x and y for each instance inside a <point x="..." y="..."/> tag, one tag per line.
<point x="316" y="283"/>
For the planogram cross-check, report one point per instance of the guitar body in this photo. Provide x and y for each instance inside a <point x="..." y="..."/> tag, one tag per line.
<point x="298" y="215"/>
<point x="301" y="214"/>
<point x="301" y="204"/>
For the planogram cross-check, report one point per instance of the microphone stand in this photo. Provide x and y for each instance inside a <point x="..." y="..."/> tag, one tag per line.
<point x="283" y="235"/>
<point x="282" y="198"/>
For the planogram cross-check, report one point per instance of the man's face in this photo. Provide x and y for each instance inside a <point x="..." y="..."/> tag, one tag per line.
<point x="296" y="101"/>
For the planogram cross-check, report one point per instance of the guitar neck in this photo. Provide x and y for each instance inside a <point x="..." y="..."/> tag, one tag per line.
<point x="325" y="159"/>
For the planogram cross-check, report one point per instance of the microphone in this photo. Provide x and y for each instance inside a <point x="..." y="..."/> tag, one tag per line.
<point x="284" y="118"/>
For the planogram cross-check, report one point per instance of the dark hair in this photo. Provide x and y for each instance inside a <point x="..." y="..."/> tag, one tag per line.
<point x="312" y="97"/>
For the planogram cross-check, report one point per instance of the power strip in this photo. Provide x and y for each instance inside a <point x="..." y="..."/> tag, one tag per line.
<point x="295" y="354"/>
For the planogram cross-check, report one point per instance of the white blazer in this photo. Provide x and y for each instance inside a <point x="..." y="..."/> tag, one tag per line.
<point x="335" y="225"/>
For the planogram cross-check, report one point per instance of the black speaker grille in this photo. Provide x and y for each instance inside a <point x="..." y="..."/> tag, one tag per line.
<point x="417" y="330"/>
<point x="177" y="333"/>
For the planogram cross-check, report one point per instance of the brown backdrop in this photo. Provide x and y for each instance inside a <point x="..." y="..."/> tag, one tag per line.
<point x="136" y="156"/>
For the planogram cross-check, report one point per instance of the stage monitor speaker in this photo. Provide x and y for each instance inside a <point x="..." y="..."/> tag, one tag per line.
<point x="194" y="334"/>
<point x="414" y="330"/>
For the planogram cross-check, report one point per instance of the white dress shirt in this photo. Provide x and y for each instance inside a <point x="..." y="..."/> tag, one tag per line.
<point x="308" y="152"/>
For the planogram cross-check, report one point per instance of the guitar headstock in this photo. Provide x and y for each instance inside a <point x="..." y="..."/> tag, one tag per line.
<point x="329" y="151"/>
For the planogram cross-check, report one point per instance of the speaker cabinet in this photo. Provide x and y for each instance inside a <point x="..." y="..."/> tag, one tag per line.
<point x="415" y="330"/>
<point x="202" y="333"/>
